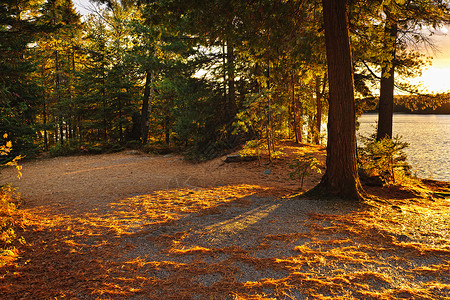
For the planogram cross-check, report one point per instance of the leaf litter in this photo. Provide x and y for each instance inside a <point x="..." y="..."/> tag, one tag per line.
<point x="225" y="232"/>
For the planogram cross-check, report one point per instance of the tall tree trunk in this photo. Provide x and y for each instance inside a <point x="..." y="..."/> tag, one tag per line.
<point x="73" y="124"/>
<point x="58" y="96"/>
<point x="225" y="80"/>
<point x="294" y="111"/>
<point x="146" y="105"/>
<point x="269" y="130"/>
<point x="166" y="130"/>
<point x="61" y="131"/>
<point x="319" y="95"/>
<point x="55" y="130"/>
<point x="341" y="177"/>
<point x="44" y="113"/>
<point x="386" y="105"/>
<point x="80" y="129"/>
<point x="67" y="128"/>
<point x="299" y="117"/>
<point x="120" y="107"/>
<point x="232" y="107"/>
<point x="104" y="102"/>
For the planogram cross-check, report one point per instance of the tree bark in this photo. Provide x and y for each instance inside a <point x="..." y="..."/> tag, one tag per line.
<point x="341" y="177"/>
<point x="299" y="117"/>
<point x="45" y="125"/>
<point x="146" y="105"/>
<point x="103" y="92"/>
<point x="386" y="104"/>
<point x="232" y="107"/>
<point x="58" y="96"/>
<point x="319" y="95"/>
<point x="294" y="110"/>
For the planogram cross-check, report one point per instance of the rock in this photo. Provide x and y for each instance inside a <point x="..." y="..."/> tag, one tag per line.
<point x="240" y="158"/>
<point x="134" y="152"/>
<point x="267" y="172"/>
<point x="397" y="208"/>
<point x="233" y="158"/>
<point x="403" y="238"/>
<point x="372" y="181"/>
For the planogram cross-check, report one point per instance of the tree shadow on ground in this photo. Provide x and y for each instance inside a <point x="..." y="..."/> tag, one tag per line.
<point x="225" y="243"/>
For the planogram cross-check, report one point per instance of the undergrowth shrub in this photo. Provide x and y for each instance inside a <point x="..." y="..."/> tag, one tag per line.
<point x="66" y="149"/>
<point x="259" y="148"/>
<point x="75" y="148"/>
<point x="9" y="201"/>
<point x="383" y="159"/>
<point x="134" y="145"/>
<point x="304" y="166"/>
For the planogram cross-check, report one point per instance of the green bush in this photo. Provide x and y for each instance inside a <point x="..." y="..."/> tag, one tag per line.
<point x="66" y="149"/>
<point x="303" y="166"/>
<point x="117" y="148"/>
<point x="383" y="158"/>
<point x="95" y="149"/>
<point x="135" y="145"/>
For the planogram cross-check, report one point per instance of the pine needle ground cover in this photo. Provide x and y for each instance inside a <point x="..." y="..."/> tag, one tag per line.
<point x="234" y="241"/>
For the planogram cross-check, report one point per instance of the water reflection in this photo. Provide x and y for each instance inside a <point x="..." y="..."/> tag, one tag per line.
<point x="429" y="139"/>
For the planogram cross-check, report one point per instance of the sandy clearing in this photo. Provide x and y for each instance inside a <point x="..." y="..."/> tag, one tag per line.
<point x="83" y="182"/>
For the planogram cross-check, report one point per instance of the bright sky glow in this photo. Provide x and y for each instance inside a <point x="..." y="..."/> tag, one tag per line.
<point x="437" y="77"/>
<point x="82" y="6"/>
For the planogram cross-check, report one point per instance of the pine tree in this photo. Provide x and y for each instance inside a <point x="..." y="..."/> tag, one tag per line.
<point x="341" y="177"/>
<point x="19" y="94"/>
<point x="57" y="63"/>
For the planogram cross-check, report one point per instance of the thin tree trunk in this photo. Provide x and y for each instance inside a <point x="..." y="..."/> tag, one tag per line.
<point x="61" y="131"/>
<point x="44" y="113"/>
<point x="294" y="111"/>
<point x="166" y="130"/>
<point x="103" y="91"/>
<point x="58" y="96"/>
<point x="341" y="177"/>
<point x="119" y="98"/>
<point x="146" y="105"/>
<point x="55" y="130"/>
<point x="299" y="120"/>
<point x="71" y="92"/>
<point x="80" y="129"/>
<point x="386" y="105"/>
<point x="232" y="108"/>
<point x="67" y="128"/>
<point x="319" y="95"/>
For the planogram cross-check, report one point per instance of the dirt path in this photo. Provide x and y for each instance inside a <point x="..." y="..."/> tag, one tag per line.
<point x="126" y="226"/>
<point x="84" y="182"/>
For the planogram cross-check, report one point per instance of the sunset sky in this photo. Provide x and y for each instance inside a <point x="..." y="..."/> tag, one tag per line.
<point x="435" y="78"/>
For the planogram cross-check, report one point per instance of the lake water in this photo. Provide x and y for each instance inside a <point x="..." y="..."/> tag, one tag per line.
<point x="429" y="141"/>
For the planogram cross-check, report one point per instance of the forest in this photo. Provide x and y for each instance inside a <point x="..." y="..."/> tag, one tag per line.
<point x="196" y="76"/>
<point x="160" y="90"/>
